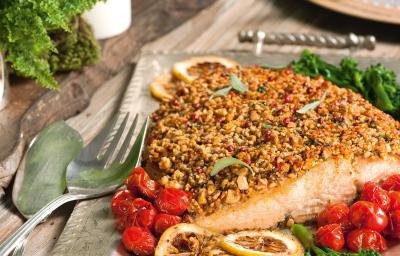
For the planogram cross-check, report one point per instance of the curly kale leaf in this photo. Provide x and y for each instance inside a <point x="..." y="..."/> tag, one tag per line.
<point x="24" y="33"/>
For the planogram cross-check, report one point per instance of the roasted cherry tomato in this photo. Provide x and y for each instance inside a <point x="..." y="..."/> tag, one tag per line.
<point x="140" y="181"/>
<point x="392" y="183"/>
<point x="368" y="215"/>
<point x="120" y="208"/>
<point x="164" y="221"/>
<point x="172" y="201"/>
<point x="394" y="200"/>
<point x="365" y="239"/>
<point x="393" y="228"/>
<point x="121" y="202"/>
<point x="142" y="213"/>
<point x="375" y="194"/>
<point x="335" y="213"/>
<point x="330" y="236"/>
<point x="139" y="241"/>
<point x="121" y="223"/>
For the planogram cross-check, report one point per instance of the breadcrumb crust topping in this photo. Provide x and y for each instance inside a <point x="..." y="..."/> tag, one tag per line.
<point x="262" y="128"/>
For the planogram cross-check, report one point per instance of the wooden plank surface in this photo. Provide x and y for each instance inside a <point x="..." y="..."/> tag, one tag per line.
<point x="151" y="19"/>
<point x="215" y="28"/>
<point x="31" y="107"/>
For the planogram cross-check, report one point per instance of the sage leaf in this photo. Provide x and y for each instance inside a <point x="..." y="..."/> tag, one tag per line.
<point x="228" y="161"/>
<point x="43" y="177"/>
<point x="237" y="84"/>
<point x="312" y="105"/>
<point x="221" y="92"/>
<point x="266" y="66"/>
<point x="267" y="126"/>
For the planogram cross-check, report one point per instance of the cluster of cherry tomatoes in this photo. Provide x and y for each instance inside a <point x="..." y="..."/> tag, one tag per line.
<point x="144" y="211"/>
<point x="366" y="223"/>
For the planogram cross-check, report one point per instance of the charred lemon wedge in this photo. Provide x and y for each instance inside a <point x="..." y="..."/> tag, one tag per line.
<point x="186" y="239"/>
<point x="219" y="252"/>
<point x="163" y="87"/>
<point x="262" y="243"/>
<point x="190" y="69"/>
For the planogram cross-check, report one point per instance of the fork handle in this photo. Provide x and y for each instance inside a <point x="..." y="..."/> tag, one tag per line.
<point x="8" y="245"/>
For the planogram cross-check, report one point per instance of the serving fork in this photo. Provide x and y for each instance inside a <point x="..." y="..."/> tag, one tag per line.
<point x="99" y="169"/>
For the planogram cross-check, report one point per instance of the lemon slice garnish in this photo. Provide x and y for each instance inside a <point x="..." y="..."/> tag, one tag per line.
<point x="219" y="252"/>
<point x="185" y="239"/>
<point x="163" y="87"/>
<point x="181" y="70"/>
<point x="262" y="243"/>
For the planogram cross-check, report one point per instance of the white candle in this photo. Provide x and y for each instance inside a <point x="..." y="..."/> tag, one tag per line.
<point x="109" y="18"/>
<point x="3" y="83"/>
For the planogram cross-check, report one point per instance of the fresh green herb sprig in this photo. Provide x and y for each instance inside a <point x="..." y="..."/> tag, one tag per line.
<point x="25" y="28"/>
<point x="235" y="84"/>
<point x="311" y="106"/>
<point x="228" y="161"/>
<point x="307" y="240"/>
<point x="376" y="84"/>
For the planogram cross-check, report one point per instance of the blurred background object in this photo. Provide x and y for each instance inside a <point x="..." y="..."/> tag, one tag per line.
<point x="3" y="83"/>
<point x="379" y="10"/>
<point x="109" y="18"/>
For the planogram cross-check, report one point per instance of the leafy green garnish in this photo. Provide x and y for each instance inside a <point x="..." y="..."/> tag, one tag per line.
<point x="312" y="105"/>
<point x="221" y="92"/>
<point x="267" y="126"/>
<point x="266" y="66"/>
<point x="25" y="28"/>
<point x="237" y="84"/>
<point x="228" y="161"/>
<point x="261" y="89"/>
<point x="43" y="178"/>
<point x="307" y="240"/>
<point x="376" y="84"/>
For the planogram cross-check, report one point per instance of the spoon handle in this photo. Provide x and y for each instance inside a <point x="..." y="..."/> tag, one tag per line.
<point x="8" y="245"/>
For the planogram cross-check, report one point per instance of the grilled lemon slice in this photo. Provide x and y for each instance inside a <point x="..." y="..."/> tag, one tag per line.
<point x="262" y="243"/>
<point x="163" y="87"/>
<point x="190" y="69"/>
<point x="186" y="239"/>
<point x="219" y="252"/>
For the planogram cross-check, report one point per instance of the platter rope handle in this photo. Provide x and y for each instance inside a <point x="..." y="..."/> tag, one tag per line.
<point x="329" y="41"/>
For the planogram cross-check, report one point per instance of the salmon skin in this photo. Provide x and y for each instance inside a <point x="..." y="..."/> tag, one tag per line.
<point x="309" y="143"/>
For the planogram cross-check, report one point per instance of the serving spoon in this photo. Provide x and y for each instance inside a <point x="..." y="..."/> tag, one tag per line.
<point x="92" y="173"/>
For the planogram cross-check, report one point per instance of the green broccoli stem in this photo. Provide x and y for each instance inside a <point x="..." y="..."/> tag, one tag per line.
<point x="382" y="100"/>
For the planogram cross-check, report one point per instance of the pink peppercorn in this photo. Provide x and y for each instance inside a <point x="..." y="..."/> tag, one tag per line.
<point x="288" y="70"/>
<point x="288" y="99"/>
<point x="194" y="117"/>
<point x="231" y="148"/>
<point x="175" y="102"/>
<point x="154" y="117"/>
<point x="286" y="121"/>
<point x="268" y="134"/>
<point x="199" y="170"/>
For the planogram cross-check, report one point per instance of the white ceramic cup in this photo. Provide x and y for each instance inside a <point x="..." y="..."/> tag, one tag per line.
<point x="3" y="83"/>
<point x="109" y="18"/>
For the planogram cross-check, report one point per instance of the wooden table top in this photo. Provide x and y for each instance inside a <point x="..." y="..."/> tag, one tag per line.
<point x="213" y="28"/>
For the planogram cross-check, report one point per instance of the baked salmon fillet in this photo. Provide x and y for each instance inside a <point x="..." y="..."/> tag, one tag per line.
<point x="301" y="162"/>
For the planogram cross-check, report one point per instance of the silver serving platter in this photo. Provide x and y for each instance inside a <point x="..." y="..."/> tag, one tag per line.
<point x="90" y="229"/>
